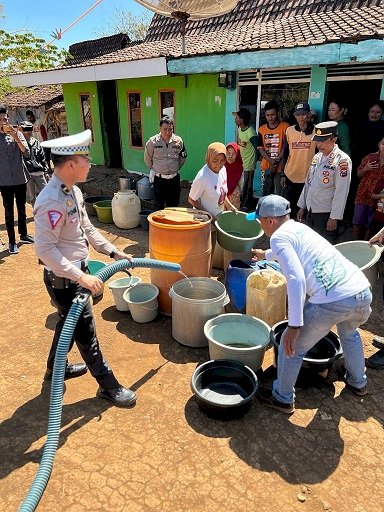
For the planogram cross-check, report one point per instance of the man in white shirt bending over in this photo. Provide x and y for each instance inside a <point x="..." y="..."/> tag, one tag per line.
<point x="338" y="294"/>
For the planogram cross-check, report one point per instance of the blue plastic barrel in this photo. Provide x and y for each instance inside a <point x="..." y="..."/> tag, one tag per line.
<point x="236" y="281"/>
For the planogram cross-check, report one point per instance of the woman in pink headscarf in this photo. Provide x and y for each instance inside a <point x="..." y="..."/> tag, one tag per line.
<point x="234" y="166"/>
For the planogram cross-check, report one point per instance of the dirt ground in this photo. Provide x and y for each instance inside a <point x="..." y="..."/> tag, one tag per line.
<point x="164" y="454"/>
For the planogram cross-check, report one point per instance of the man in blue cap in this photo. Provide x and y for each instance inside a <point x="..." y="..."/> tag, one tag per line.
<point x="63" y="233"/>
<point x="338" y="294"/>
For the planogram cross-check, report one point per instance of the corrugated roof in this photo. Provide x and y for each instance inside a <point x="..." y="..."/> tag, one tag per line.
<point x="34" y="96"/>
<point x="92" y="48"/>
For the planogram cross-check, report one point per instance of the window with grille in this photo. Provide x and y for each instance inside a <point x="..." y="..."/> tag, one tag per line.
<point x="135" y="123"/>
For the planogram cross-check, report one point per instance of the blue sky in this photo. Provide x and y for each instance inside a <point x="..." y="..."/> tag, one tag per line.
<point x="42" y="17"/>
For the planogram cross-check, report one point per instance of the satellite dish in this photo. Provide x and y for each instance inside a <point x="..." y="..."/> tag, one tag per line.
<point x="195" y="9"/>
<point x="182" y="10"/>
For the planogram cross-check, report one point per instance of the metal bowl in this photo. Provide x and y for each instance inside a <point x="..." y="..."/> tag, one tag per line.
<point x="223" y="388"/>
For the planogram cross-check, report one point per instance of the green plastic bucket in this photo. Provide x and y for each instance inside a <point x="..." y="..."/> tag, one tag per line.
<point x="235" y="233"/>
<point x="104" y="211"/>
<point x="93" y="267"/>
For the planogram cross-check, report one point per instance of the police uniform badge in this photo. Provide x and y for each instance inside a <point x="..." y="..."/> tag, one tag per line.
<point x="318" y="132"/>
<point x="343" y="166"/>
<point x="54" y="217"/>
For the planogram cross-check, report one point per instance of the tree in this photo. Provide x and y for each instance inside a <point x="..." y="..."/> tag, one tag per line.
<point x="23" y="52"/>
<point x="135" y="26"/>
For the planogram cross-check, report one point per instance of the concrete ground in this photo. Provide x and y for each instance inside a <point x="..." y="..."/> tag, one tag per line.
<point x="164" y="454"/>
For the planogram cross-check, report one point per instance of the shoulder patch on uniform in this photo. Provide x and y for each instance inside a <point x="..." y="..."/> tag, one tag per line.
<point x="343" y="165"/>
<point x="54" y="217"/>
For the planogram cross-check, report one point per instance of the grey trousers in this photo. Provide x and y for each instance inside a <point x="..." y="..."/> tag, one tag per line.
<point x="35" y="185"/>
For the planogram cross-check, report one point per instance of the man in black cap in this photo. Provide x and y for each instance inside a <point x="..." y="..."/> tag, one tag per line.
<point x="327" y="184"/>
<point x="247" y="140"/>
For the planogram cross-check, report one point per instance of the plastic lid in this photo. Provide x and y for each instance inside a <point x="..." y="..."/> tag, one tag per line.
<point x="181" y="216"/>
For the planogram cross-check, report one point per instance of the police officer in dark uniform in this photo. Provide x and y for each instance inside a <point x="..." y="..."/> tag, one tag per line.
<point x="63" y="233"/>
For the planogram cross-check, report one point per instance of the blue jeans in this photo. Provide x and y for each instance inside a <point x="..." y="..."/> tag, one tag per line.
<point x="347" y="314"/>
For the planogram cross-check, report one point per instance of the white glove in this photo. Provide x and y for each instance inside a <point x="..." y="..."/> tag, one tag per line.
<point x="151" y="176"/>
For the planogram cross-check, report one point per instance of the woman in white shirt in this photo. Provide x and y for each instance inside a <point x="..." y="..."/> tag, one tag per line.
<point x="209" y="188"/>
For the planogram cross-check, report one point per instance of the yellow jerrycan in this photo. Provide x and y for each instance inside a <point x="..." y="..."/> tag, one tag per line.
<point x="266" y="296"/>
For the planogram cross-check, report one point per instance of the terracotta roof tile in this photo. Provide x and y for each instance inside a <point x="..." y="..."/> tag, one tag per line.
<point x="300" y="30"/>
<point x="247" y="11"/>
<point x="34" y="96"/>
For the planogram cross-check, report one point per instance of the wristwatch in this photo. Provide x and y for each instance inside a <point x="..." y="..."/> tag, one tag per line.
<point x="112" y="254"/>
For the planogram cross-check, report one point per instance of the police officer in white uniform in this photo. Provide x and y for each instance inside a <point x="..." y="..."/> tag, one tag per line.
<point x="63" y="233"/>
<point x="165" y="154"/>
<point x="327" y="184"/>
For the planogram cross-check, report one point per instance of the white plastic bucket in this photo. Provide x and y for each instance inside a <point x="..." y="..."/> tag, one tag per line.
<point x="238" y="337"/>
<point x="118" y="287"/>
<point x="142" y="301"/>
<point x="194" y="301"/>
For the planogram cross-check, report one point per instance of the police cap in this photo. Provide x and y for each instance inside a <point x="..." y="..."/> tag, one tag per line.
<point x="77" y="144"/>
<point x="324" y="131"/>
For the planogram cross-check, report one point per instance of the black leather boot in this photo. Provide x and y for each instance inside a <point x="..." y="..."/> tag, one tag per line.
<point x="71" y="371"/>
<point x="120" y="396"/>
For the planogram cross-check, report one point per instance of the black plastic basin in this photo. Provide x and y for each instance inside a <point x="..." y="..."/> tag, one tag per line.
<point x="224" y="389"/>
<point x="327" y="350"/>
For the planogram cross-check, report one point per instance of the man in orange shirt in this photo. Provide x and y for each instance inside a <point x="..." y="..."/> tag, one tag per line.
<point x="299" y="151"/>
<point x="271" y="138"/>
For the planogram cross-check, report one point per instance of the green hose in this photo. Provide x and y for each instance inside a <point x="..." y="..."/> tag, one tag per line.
<point x="40" y="481"/>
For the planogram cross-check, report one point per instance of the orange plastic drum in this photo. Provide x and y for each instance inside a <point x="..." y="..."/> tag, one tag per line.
<point x="179" y="235"/>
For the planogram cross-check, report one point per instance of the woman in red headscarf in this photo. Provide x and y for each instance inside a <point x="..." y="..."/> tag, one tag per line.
<point x="234" y="167"/>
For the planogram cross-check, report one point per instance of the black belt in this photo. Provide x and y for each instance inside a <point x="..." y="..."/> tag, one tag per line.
<point x="83" y="265"/>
